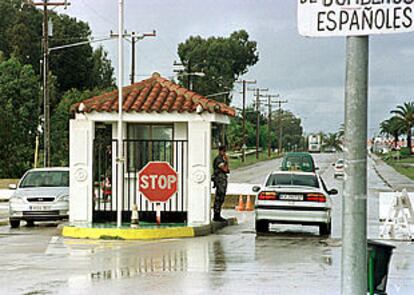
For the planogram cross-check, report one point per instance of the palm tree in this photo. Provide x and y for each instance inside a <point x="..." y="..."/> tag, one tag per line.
<point x="405" y="115"/>
<point x="341" y="131"/>
<point x="332" y="140"/>
<point x="393" y="127"/>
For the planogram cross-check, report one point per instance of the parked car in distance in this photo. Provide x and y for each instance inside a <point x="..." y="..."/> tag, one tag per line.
<point x="298" y="161"/>
<point x="41" y="195"/>
<point x="339" y="168"/>
<point x="294" y="198"/>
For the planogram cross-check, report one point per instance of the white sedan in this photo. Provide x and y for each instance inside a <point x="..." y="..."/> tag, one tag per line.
<point x="41" y="195"/>
<point x="294" y="198"/>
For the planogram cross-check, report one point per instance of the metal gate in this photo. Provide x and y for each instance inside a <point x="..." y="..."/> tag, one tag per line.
<point x="137" y="154"/>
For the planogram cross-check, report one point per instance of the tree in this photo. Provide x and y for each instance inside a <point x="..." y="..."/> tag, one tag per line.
<point x="291" y="129"/>
<point x="291" y="126"/>
<point x="60" y="122"/>
<point x="19" y="92"/>
<point x="77" y="67"/>
<point x="221" y="59"/>
<point x="405" y="115"/>
<point x="103" y="71"/>
<point x="341" y="132"/>
<point x="332" y="140"/>
<point x="392" y="127"/>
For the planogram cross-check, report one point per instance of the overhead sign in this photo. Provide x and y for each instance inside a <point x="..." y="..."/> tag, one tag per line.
<point x="157" y="181"/>
<point x="325" y="18"/>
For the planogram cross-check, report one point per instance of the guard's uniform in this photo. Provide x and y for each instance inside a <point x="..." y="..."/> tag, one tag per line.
<point x="220" y="181"/>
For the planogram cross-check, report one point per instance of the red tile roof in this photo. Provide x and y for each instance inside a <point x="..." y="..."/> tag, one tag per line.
<point x="155" y="94"/>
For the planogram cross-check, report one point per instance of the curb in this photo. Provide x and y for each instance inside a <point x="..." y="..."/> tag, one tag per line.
<point x="144" y="234"/>
<point x="378" y="173"/>
<point x="379" y="162"/>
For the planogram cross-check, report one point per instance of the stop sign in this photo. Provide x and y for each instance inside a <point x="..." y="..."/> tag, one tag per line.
<point x="157" y="181"/>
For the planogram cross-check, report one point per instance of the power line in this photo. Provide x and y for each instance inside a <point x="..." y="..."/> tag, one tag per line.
<point x="103" y="17"/>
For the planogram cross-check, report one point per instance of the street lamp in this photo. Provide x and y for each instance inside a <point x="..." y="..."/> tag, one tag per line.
<point x="198" y="74"/>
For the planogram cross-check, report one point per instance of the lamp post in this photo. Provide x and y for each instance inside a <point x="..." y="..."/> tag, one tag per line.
<point x="198" y="74"/>
<point x="120" y="158"/>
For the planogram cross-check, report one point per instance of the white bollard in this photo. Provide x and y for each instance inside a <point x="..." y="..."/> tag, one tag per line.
<point x="134" y="216"/>
<point x="158" y="213"/>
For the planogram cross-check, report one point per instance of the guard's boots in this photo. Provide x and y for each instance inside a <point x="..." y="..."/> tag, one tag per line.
<point x="217" y="217"/>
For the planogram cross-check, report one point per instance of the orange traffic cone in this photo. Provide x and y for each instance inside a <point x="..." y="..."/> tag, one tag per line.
<point x="240" y="207"/>
<point x="249" y="204"/>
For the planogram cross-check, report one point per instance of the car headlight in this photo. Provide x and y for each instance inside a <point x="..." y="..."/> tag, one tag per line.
<point x="16" y="200"/>
<point x="63" y="198"/>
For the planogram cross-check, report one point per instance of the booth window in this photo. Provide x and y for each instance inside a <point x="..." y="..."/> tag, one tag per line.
<point x="148" y="142"/>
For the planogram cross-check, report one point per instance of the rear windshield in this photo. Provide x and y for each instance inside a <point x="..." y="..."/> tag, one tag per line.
<point x="298" y="162"/>
<point x="292" y="179"/>
<point x="46" y="179"/>
<point x="340" y="162"/>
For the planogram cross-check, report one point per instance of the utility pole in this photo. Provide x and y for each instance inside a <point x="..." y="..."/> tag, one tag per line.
<point x="244" y="83"/>
<point x="46" y="101"/>
<point x="257" y="105"/>
<point x="280" y="102"/>
<point x="354" y="201"/>
<point x="269" y="120"/>
<point x="134" y="38"/>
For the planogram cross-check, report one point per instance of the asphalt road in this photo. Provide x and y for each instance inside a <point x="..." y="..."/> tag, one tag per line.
<point x="290" y="260"/>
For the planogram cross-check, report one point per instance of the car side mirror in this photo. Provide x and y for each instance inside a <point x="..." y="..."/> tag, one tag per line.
<point x="333" y="164"/>
<point x="12" y="186"/>
<point x="333" y="192"/>
<point x="316" y="168"/>
<point x="256" y="188"/>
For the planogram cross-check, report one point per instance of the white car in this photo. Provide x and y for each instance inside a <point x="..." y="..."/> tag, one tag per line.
<point x="41" y="195"/>
<point x="294" y="198"/>
<point x="339" y="168"/>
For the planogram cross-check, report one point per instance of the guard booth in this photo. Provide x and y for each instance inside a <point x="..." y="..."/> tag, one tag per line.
<point x="163" y="122"/>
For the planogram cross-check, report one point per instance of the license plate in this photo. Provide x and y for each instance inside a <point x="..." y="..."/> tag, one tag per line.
<point x="40" y="208"/>
<point x="291" y="197"/>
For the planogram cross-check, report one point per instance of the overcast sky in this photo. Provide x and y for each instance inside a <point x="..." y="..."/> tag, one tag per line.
<point x="309" y="73"/>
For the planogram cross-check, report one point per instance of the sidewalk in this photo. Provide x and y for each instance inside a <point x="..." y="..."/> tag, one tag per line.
<point x="392" y="178"/>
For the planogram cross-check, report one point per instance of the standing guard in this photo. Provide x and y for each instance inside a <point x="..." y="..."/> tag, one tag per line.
<point x="221" y="169"/>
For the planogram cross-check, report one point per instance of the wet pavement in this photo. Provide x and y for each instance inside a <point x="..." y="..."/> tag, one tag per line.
<point x="289" y="260"/>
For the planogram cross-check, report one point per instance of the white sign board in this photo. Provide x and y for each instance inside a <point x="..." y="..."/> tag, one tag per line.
<point x="328" y="18"/>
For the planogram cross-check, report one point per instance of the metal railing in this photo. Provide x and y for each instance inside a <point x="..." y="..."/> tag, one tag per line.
<point x="138" y="153"/>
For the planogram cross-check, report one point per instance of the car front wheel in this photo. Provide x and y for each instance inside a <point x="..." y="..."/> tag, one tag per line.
<point x="262" y="226"/>
<point x="325" y="229"/>
<point x="14" y="223"/>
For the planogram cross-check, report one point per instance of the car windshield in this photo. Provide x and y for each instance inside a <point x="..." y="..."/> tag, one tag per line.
<point x="292" y="179"/>
<point x="46" y="179"/>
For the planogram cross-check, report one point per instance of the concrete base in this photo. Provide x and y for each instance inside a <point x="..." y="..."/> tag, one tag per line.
<point x="144" y="233"/>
